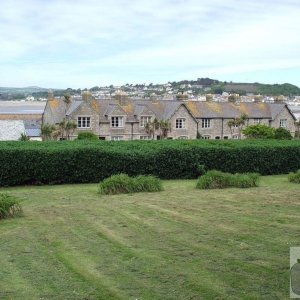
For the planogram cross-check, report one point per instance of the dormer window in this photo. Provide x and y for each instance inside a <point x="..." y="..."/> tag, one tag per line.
<point x="144" y="120"/>
<point x="117" y="122"/>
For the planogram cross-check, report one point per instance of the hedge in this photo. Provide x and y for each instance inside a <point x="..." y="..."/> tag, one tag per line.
<point x="92" y="161"/>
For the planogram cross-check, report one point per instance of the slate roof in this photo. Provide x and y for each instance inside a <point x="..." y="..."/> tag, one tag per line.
<point x="164" y="109"/>
<point x="33" y="132"/>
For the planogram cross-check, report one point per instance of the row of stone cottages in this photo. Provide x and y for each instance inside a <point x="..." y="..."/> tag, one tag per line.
<point x="126" y="119"/>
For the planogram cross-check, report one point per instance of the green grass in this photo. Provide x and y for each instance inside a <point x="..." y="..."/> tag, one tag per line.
<point x="182" y="243"/>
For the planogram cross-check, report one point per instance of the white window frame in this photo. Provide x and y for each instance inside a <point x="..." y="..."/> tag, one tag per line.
<point x="183" y="137"/>
<point x="257" y="121"/>
<point x="117" y="122"/>
<point x="145" y="120"/>
<point x="206" y="137"/>
<point x="206" y="123"/>
<point x="117" y="138"/>
<point x="83" y="122"/>
<point x="145" y="137"/>
<point x="180" y="123"/>
<point x="283" y="123"/>
<point x="235" y="137"/>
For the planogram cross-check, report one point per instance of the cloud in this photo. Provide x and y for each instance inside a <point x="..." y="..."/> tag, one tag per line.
<point x="63" y="43"/>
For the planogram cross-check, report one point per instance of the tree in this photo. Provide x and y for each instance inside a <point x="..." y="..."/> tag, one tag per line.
<point x="165" y="127"/>
<point x="259" y="131"/>
<point x="48" y="131"/>
<point x="67" y="99"/>
<point x="70" y="128"/>
<point x="151" y="128"/>
<point x="239" y="123"/>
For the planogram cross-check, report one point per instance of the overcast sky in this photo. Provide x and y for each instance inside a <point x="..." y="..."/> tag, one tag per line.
<point x="72" y="43"/>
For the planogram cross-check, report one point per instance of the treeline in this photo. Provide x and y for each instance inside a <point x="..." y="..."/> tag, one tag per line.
<point x="87" y="161"/>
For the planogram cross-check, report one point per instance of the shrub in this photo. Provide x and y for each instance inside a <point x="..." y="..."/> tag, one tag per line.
<point x="218" y="180"/>
<point x="246" y="180"/>
<point x="9" y="206"/>
<point x="122" y="183"/>
<point x="259" y="131"/>
<point x="149" y="183"/>
<point x="294" y="177"/>
<point x="87" y="135"/>
<point x="214" y="180"/>
<point x="282" y="134"/>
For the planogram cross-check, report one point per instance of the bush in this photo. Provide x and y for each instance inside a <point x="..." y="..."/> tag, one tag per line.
<point x="214" y="180"/>
<point x="294" y="177"/>
<point x="87" y="135"/>
<point x="9" y="206"/>
<point x="122" y="183"/>
<point x="85" y="161"/>
<point x="282" y="134"/>
<point x="218" y="180"/>
<point x="144" y="183"/>
<point x="246" y="180"/>
<point x="259" y="131"/>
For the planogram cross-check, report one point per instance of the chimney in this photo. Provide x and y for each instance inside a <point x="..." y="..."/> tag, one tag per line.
<point x="86" y="96"/>
<point x="50" y="95"/>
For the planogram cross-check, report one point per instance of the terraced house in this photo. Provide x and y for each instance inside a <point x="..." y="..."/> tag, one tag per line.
<point x="126" y="119"/>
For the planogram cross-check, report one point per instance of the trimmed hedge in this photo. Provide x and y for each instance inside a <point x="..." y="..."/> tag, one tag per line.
<point x="92" y="161"/>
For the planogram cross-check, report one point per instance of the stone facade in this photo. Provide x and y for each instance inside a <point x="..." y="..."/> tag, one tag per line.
<point x="115" y="120"/>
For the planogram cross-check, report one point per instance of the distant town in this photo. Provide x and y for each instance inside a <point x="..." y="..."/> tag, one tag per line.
<point x="201" y="103"/>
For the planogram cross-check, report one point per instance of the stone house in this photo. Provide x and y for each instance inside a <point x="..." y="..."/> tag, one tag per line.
<point x="125" y="119"/>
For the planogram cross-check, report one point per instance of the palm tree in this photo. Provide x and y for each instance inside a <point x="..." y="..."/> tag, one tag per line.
<point x="62" y="128"/>
<point x="151" y="127"/>
<point x="67" y="99"/>
<point x="239" y="123"/>
<point x="165" y="127"/>
<point x="70" y="128"/>
<point x="47" y="131"/>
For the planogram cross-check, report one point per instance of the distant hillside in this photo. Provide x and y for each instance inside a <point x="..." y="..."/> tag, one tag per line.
<point x="285" y="89"/>
<point x="192" y="87"/>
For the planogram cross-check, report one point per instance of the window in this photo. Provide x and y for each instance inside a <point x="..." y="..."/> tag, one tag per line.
<point x="257" y="121"/>
<point x="217" y="138"/>
<point x="283" y="123"/>
<point x="180" y="123"/>
<point x="183" y="137"/>
<point x="225" y="137"/>
<point x="206" y="123"/>
<point x="145" y="137"/>
<point x="144" y="120"/>
<point x="84" y="122"/>
<point x="235" y="137"/>
<point x="206" y="137"/>
<point x="102" y="138"/>
<point x="117" y="122"/>
<point x="117" y="138"/>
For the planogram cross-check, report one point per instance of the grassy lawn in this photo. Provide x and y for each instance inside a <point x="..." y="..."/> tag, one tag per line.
<point x="181" y="243"/>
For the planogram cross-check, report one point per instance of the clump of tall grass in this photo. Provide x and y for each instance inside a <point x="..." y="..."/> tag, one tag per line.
<point x="219" y="180"/>
<point x="122" y="183"/>
<point x="9" y="206"/>
<point x="294" y="177"/>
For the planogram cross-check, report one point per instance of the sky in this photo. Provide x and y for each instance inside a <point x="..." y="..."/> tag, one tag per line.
<point x="81" y="44"/>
